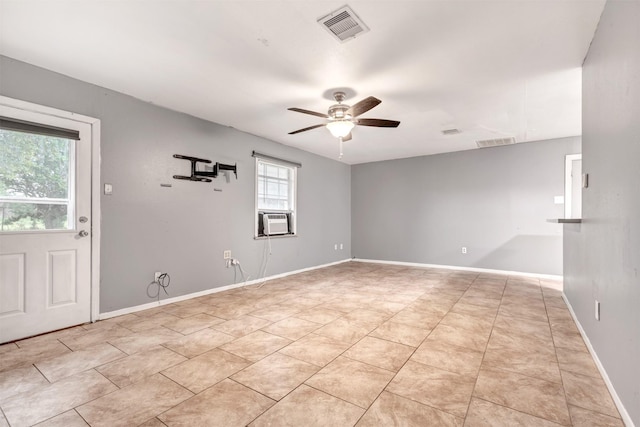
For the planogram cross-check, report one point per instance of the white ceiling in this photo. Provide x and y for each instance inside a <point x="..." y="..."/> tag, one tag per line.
<point x="489" y="68"/>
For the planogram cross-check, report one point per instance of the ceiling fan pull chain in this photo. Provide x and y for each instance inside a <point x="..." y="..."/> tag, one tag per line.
<point x="340" y="157"/>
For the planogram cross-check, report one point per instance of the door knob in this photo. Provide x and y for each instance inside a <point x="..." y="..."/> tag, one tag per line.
<point x="83" y="233"/>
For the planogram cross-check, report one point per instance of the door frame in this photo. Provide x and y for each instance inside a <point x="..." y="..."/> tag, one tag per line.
<point x="568" y="185"/>
<point x="95" y="186"/>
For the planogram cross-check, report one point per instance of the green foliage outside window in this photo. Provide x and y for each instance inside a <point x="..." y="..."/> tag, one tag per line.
<point x="33" y="167"/>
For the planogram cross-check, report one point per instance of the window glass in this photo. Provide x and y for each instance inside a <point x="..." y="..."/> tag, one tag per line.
<point x="36" y="181"/>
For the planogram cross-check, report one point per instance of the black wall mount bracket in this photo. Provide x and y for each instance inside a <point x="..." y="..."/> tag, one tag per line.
<point x="203" y="176"/>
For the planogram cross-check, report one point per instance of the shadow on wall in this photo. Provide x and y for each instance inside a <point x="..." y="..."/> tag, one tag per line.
<point x="509" y="256"/>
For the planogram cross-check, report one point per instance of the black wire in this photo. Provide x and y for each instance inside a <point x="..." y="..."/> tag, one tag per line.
<point x="162" y="282"/>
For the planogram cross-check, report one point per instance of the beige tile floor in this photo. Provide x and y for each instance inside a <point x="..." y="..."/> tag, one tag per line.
<point x="353" y="344"/>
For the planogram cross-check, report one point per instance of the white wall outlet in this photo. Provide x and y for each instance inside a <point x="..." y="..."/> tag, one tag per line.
<point x="157" y="275"/>
<point x="226" y="254"/>
<point x="464" y="249"/>
<point x="597" y="310"/>
<point x="341" y="246"/>
<point x="335" y="247"/>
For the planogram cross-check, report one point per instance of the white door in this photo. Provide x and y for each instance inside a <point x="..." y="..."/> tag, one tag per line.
<point x="573" y="186"/>
<point x="45" y="223"/>
<point x="576" y="188"/>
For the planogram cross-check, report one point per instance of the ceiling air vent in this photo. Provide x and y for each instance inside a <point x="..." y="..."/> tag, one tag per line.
<point x="496" y="142"/>
<point x="343" y="24"/>
<point x="451" y="131"/>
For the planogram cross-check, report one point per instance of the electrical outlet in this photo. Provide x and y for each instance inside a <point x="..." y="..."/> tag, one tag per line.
<point x="597" y="310"/>
<point x="341" y="246"/>
<point x="335" y="247"/>
<point x="464" y="249"/>
<point x="227" y="254"/>
<point x="157" y="275"/>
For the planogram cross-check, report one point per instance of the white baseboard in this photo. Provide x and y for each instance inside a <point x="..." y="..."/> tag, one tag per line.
<point x="454" y="267"/>
<point x="129" y="310"/>
<point x="626" y="418"/>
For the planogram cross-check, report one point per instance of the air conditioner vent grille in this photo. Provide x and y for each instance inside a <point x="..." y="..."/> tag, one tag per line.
<point x="277" y="216"/>
<point x="343" y="24"/>
<point x="275" y="223"/>
<point x="496" y="142"/>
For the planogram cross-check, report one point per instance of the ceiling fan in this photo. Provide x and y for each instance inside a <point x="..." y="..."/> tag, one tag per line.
<point x="342" y="118"/>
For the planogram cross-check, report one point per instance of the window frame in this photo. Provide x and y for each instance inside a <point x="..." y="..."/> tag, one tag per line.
<point x="69" y="201"/>
<point x="293" y="195"/>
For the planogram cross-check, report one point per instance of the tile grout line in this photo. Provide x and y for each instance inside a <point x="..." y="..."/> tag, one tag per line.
<point x="355" y="290"/>
<point x="475" y="384"/>
<point x="555" y="352"/>
<point x="404" y="364"/>
<point x="504" y="406"/>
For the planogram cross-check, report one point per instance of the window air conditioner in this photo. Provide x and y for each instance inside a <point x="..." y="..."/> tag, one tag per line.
<point x="275" y="224"/>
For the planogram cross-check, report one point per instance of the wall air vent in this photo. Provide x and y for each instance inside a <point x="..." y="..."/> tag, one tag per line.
<point x="343" y="24"/>
<point x="496" y="142"/>
<point x="451" y="131"/>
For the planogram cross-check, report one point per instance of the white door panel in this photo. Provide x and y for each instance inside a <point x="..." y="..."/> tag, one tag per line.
<point x="45" y="274"/>
<point x="12" y="289"/>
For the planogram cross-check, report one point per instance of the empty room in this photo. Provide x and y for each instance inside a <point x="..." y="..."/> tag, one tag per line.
<point x="318" y="213"/>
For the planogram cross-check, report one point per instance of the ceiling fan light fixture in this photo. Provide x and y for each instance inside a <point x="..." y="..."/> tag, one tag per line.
<point x="340" y="128"/>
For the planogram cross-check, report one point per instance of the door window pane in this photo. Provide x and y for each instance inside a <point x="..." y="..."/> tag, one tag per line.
<point x="36" y="182"/>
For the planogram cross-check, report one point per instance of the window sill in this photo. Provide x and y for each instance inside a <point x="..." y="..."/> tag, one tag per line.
<point x="276" y="236"/>
<point x="565" y="220"/>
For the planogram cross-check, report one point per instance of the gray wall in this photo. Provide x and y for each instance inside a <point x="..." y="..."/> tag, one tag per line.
<point x="183" y="230"/>
<point x="602" y="255"/>
<point x="495" y="201"/>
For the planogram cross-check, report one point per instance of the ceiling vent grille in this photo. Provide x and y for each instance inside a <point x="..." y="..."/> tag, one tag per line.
<point x="451" y="131"/>
<point x="343" y="24"/>
<point x="496" y="142"/>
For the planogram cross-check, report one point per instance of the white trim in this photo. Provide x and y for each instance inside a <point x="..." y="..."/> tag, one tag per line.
<point x="96" y="220"/>
<point x="455" y="267"/>
<point x="616" y="399"/>
<point x="568" y="183"/>
<point x="146" y="306"/>
<point x="95" y="185"/>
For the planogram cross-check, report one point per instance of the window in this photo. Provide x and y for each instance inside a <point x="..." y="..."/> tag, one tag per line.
<point x="275" y="197"/>
<point x="36" y="180"/>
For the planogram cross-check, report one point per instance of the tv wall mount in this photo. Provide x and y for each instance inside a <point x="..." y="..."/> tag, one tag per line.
<point x="203" y="176"/>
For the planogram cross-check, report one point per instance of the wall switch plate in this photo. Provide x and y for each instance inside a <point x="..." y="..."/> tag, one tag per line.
<point x="597" y="310"/>
<point x="464" y="249"/>
<point x="335" y="247"/>
<point x="341" y="246"/>
<point x="227" y="254"/>
<point x="108" y="189"/>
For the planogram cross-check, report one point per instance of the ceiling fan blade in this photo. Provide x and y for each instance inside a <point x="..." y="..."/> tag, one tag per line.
<point x="313" y="113"/>
<point x="305" y="129"/>
<point x="363" y="106"/>
<point x="347" y="138"/>
<point x="379" y="123"/>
